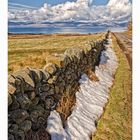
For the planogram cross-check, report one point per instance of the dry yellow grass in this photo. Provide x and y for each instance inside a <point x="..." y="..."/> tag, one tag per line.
<point x="116" y="122"/>
<point x="35" y="50"/>
<point x="65" y="106"/>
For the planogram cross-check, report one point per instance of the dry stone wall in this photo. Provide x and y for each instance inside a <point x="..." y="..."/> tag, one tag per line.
<point x="33" y="93"/>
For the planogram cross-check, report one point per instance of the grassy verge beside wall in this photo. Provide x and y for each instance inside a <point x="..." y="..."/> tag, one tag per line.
<point x="116" y="122"/>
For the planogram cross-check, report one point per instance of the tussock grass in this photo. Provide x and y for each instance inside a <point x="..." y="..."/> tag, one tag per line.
<point x="116" y="122"/>
<point x="35" y="50"/>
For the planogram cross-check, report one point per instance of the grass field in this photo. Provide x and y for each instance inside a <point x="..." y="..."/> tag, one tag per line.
<point x="116" y="122"/>
<point x="36" y="50"/>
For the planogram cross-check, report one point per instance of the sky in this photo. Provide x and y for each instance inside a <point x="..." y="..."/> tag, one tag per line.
<point x="39" y="3"/>
<point x="97" y="11"/>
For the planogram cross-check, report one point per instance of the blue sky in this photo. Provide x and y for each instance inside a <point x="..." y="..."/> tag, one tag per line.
<point x="39" y="3"/>
<point x="36" y="11"/>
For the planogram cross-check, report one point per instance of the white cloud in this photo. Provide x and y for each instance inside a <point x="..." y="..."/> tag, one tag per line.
<point x="81" y="10"/>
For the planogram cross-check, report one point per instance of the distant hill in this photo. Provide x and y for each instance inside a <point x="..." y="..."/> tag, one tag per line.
<point x="12" y="23"/>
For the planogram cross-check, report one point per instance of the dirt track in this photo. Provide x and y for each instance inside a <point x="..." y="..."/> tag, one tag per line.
<point x="125" y="43"/>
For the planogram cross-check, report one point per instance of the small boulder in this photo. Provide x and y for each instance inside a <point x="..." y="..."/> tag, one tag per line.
<point x="13" y="128"/>
<point x="45" y="76"/>
<point x="11" y="89"/>
<point x="9" y="99"/>
<point x="11" y="79"/>
<point x="18" y="115"/>
<point x="50" y="68"/>
<point x="52" y="80"/>
<point x="40" y="110"/>
<point x="41" y="121"/>
<point x="24" y="101"/>
<point x="10" y="137"/>
<point x="44" y="87"/>
<point x="34" y="116"/>
<point x="20" y="135"/>
<point x="49" y="103"/>
<point x="65" y="60"/>
<point x="56" y="89"/>
<point x="29" y="84"/>
<point x="26" y="125"/>
<point x="31" y="95"/>
<point x="15" y="105"/>
<point x="34" y="102"/>
<point x="50" y="92"/>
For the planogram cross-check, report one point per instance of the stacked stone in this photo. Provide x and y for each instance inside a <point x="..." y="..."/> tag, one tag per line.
<point x="33" y="93"/>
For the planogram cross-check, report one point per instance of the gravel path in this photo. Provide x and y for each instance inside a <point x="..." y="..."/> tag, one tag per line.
<point x="125" y="43"/>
